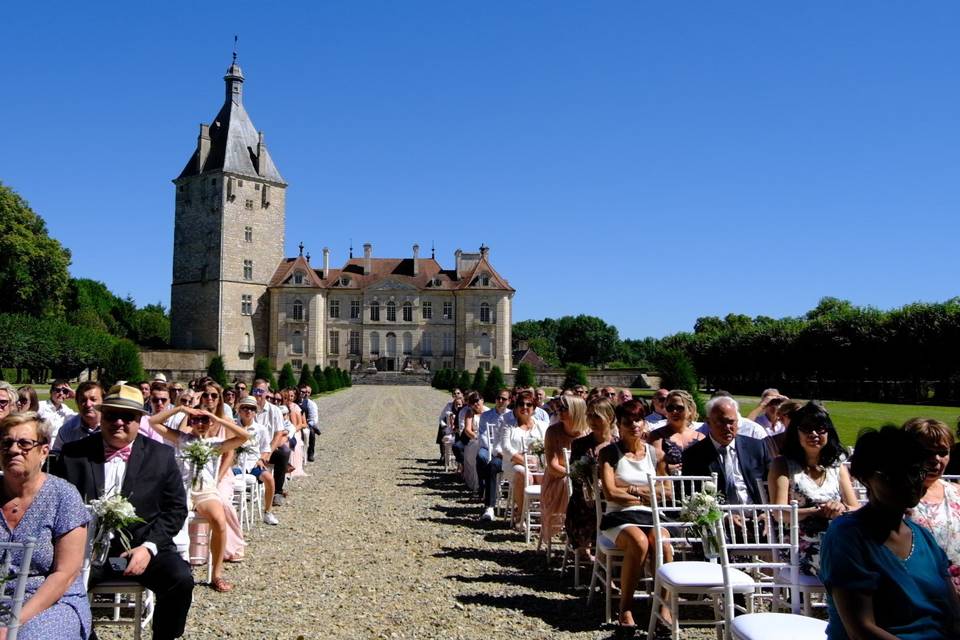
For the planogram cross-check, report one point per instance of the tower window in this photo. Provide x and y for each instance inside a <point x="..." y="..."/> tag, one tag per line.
<point x="246" y="305"/>
<point x="248" y="204"/>
<point x="239" y="183"/>
<point x="334" y="308"/>
<point x="248" y="234"/>
<point x="256" y="187"/>
<point x="354" y="343"/>
<point x="484" y="312"/>
<point x="333" y="343"/>
<point x="213" y="182"/>
<point x="297" y="310"/>
<point x="248" y="269"/>
<point x="298" y="277"/>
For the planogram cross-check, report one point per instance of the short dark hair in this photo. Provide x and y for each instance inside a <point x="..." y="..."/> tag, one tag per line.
<point x="473" y="397"/>
<point x="159" y="385"/>
<point x="57" y="383"/>
<point x="889" y="449"/>
<point x="814" y="415"/>
<point x="86" y="386"/>
<point x="632" y="410"/>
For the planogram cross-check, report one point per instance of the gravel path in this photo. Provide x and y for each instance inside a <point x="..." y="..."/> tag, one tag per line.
<point x="379" y="543"/>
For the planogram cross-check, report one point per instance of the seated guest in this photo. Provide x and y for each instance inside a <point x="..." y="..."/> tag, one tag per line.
<point x="49" y="509"/>
<point x="256" y="464"/>
<point x="581" y="521"/>
<point x="740" y="462"/>
<point x="747" y="427"/>
<point x="658" y="416"/>
<point x="784" y="411"/>
<point x="809" y="471"/>
<point x="8" y="399"/>
<point x="553" y="492"/>
<point x="628" y="521"/>
<point x="939" y="507"/>
<point x="443" y="422"/>
<point x="623" y="396"/>
<point x="471" y="413"/>
<point x="270" y="416"/>
<point x="452" y="430"/>
<point x="769" y="419"/>
<point x="55" y="410"/>
<point x="146" y="473"/>
<point x="885" y="575"/>
<point x="515" y="440"/>
<point x="678" y="433"/>
<point x="28" y="399"/>
<point x="490" y="456"/>
<point x="201" y="484"/>
<point x="86" y="422"/>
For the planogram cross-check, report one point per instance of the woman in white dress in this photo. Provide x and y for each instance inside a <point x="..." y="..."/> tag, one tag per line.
<point x="628" y="519"/>
<point x="515" y="440"/>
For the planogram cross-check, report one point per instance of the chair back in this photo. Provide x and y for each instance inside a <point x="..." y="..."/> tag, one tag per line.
<point x="88" y="547"/>
<point x="950" y="478"/>
<point x="12" y="596"/>
<point x="764" y="541"/>
<point x="667" y="496"/>
<point x="531" y="465"/>
<point x="860" y="490"/>
<point x="566" y="468"/>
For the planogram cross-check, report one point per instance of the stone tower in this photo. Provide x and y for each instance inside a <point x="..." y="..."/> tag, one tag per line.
<point x="228" y="237"/>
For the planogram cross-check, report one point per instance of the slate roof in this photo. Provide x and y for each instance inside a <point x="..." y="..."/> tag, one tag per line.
<point x="234" y="142"/>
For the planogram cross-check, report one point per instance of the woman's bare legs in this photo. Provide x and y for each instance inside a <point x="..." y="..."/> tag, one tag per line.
<point x="212" y="510"/>
<point x="635" y="546"/>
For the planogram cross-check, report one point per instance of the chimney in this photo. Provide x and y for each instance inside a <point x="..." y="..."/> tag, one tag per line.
<point x="261" y="148"/>
<point x="367" y="254"/>
<point x="416" y="259"/>
<point x="326" y="262"/>
<point x="484" y="251"/>
<point x="203" y="146"/>
<point x="456" y="258"/>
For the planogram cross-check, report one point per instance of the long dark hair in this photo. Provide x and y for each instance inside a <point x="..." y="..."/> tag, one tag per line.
<point x="811" y="414"/>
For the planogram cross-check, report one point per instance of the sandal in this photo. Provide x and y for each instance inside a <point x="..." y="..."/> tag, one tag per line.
<point x="220" y="585"/>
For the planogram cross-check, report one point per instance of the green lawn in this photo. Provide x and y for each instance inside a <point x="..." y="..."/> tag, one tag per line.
<point x="850" y="417"/>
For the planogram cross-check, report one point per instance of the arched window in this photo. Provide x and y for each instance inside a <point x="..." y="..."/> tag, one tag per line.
<point x="426" y="344"/>
<point x="407" y="343"/>
<point x="484" y="312"/>
<point x="298" y="309"/>
<point x="407" y="312"/>
<point x="391" y="345"/>
<point x="484" y="344"/>
<point x="391" y="311"/>
<point x="375" y="311"/>
<point x="296" y="342"/>
<point x="374" y="343"/>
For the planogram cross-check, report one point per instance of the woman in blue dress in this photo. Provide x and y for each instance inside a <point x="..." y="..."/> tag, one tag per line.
<point x="49" y="509"/>
<point x="885" y="575"/>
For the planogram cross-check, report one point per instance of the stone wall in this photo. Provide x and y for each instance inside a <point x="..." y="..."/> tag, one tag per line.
<point x="636" y="378"/>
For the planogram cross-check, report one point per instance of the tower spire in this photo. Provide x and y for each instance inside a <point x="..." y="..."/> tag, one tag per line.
<point x="235" y="38"/>
<point x="234" y="78"/>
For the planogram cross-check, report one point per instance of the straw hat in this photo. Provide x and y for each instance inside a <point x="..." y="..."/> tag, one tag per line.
<point x="123" y="396"/>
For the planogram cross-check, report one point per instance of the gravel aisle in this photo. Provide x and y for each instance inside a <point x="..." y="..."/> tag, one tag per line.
<point x="379" y="543"/>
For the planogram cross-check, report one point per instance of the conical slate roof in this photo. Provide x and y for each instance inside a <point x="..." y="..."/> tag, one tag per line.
<point x="235" y="145"/>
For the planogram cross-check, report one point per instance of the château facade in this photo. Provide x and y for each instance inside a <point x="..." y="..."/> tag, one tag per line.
<point x="234" y="292"/>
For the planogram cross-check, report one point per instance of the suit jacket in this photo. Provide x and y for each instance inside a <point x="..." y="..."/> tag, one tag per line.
<point x="753" y="457"/>
<point x="152" y="484"/>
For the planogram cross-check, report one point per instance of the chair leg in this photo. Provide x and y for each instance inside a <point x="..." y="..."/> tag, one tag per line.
<point x="595" y="573"/>
<point x="608" y="587"/>
<point x="576" y="569"/>
<point x="655" y="604"/>
<point x="137" y="614"/>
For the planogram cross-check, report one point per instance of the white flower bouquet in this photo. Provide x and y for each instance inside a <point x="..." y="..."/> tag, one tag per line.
<point x="702" y="511"/>
<point x="114" y="514"/>
<point x="584" y="471"/>
<point x="198" y="453"/>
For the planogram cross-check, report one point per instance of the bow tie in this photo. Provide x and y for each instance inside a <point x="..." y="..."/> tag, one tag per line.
<point x="110" y="453"/>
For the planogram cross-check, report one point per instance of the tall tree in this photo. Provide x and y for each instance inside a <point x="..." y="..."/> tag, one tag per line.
<point x="479" y="381"/>
<point x="263" y="371"/>
<point x="495" y="384"/>
<point x="576" y="375"/>
<point x="586" y="339"/>
<point x="525" y="376"/>
<point x="217" y="371"/>
<point x="123" y="363"/>
<point x="306" y="378"/>
<point x="33" y="266"/>
<point x="287" y="379"/>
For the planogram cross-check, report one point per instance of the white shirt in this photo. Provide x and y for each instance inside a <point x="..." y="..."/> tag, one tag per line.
<point x="490" y="427"/>
<point x="261" y="440"/>
<point x="737" y="474"/>
<point x="541" y="416"/>
<point x="114" y="471"/>
<point x="747" y="428"/>
<point x="53" y="416"/>
<point x="272" y="419"/>
<point x="513" y="440"/>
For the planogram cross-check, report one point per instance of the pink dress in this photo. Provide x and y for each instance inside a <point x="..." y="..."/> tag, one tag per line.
<point x="297" y="456"/>
<point x="233" y="548"/>
<point x="554" y="494"/>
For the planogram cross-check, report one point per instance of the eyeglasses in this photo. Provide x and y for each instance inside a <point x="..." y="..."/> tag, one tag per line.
<point x="259" y="392"/>
<point x="246" y="408"/>
<point x="198" y="420"/>
<point x="159" y="400"/>
<point x="525" y="405"/>
<point x="61" y="390"/>
<point x="209" y="396"/>
<point x="809" y="428"/>
<point x="24" y="444"/>
<point x="675" y="407"/>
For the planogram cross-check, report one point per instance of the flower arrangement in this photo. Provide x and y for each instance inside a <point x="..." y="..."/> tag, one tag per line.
<point x="702" y="511"/>
<point x="584" y="471"/>
<point x="537" y="449"/>
<point x="247" y="449"/>
<point x="198" y="453"/>
<point x="114" y="514"/>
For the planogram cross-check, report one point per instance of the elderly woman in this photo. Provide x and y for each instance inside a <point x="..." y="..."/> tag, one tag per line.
<point x="8" y="399"/>
<point x="560" y="436"/>
<point x="628" y="521"/>
<point x="679" y="432"/>
<point x="939" y="508"/>
<point x="809" y="471"/>
<point x="515" y="441"/>
<point x="50" y="509"/>
<point x="885" y="575"/>
<point x="581" y="521"/>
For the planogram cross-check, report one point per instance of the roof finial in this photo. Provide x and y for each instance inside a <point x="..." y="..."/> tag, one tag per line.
<point x="351" y="248"/>
<point x="235" y="38"/>
<point x="433" y="250"/>
<point x="308" y="257"/>
<point x="301" y="248"/>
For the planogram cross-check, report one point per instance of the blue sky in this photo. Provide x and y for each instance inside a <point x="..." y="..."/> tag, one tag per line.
<point x="646" y="163"/>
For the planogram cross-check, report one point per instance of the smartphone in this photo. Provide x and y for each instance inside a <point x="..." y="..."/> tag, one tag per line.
<point x="118" y="565"/>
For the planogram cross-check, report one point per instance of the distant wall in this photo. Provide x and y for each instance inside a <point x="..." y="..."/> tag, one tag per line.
<point x="635" y="378"/>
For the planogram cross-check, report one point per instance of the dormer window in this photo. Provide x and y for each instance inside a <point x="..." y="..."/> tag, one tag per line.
<point x="484" y="279"/>
<point x="344" y="281"/>
<point x="435" y="282"/>
<point x="298" y="277"/>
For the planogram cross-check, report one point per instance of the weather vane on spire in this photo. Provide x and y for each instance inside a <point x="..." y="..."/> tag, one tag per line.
<point x="235" y="38"/>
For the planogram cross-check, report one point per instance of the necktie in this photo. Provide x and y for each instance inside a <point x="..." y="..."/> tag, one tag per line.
<point x="730" y="484"/>
<point x="110" y="453"/>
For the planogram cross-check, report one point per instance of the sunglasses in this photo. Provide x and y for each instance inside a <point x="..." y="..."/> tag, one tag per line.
<point x="159" y="400"/>
<point x="246" y="408"/>
<point x="258" y="392"/>
<point x="525" y="405"/>
<point x="24" y="444"/>
<point x="61" y="390"/>
<point x="807" y="428"/>
<point x="198" y="420"/>
<point x="209" y="396"/>
<point x="675" y="407"/>
<point x="4" y="404"/>
<point x="126" y="416"/>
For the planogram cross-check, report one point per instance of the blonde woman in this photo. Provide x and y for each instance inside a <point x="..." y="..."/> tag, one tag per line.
<point x="553" y="493"/>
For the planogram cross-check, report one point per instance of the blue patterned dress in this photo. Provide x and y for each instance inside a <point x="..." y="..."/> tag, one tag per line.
<point x="56" y="509"/>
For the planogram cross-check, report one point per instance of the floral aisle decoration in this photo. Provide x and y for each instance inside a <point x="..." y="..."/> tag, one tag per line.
<point x="537" y="449"/>
<point x="702" y="511"/>
<point x="198" y="453"/>
<point x="114" y="514"/>
<point x="584" y="471"/>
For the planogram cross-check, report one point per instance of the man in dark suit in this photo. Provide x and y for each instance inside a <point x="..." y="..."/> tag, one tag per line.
<point x="740" y="462"/>
<point x="146" y="473"/>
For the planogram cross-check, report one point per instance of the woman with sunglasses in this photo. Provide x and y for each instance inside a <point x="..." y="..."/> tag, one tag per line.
<point x="939" y="508"/>
<point x="809" y="470"/>
<point x="298" y="431"/>
<point x="884" y="574"/>
<point x="553" y="494"/>
<point x="203" y="496"/>
<point x="678" y="433"/>
<point x="581" y="520"/>
<point x="515" y="440"/>
<point x="28" y="399"/>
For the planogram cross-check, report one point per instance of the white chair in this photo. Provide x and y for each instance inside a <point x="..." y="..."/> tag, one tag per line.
<point x="607" y="559"/>
<point x="781" y="538"/>
<point x="449" y="460"/>
<point x="557" y="526"/>
<point x="240" y="501"/>
<point x="950" y="478"/>
<point x="530" y="514"/>
<point x="116" y="595"/>
<point x="580" y="559"/>
<point x="14" y="591"/>
<point x="860" y="490"/>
